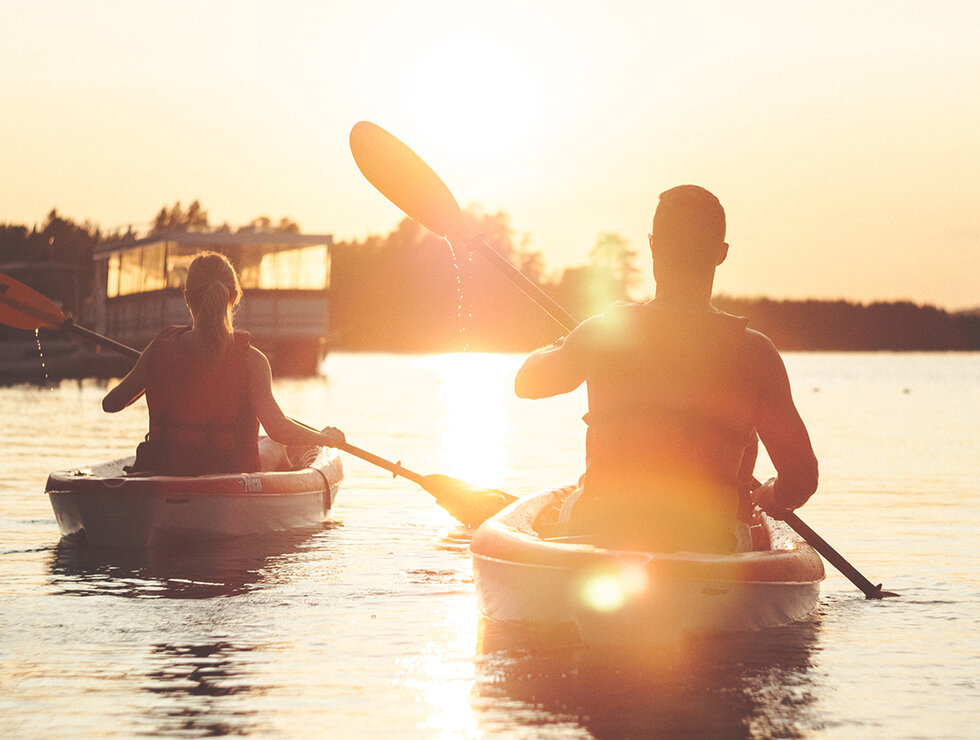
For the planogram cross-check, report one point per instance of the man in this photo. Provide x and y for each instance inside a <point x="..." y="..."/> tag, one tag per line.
<point x="679" y="395"/>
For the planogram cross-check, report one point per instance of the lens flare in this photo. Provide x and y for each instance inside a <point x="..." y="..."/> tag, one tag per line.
<point x="611" y="590"/>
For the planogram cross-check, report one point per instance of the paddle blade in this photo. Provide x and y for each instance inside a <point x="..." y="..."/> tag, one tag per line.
<point x="406" y="180"/>
<point x="468" y="504"/>
<point x="24" y="308"/>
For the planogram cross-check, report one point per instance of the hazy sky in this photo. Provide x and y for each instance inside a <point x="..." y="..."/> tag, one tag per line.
<point x="842" y="137"/>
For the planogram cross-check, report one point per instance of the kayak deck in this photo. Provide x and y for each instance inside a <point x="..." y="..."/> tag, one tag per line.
<point x="112" y="509"/>
<point x="629" y="597"/>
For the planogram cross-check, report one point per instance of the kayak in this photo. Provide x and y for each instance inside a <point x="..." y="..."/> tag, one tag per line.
<point x="111" y="508"/>
<point x="606" y="596"/>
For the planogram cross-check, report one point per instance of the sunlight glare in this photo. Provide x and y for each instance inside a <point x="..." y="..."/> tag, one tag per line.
<point x="475" y="426"/>
<point x="443" y="674"/>
<point x="474" y="96"/>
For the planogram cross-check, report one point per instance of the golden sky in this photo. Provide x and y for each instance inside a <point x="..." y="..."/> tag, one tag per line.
<point x="841" y="136"/>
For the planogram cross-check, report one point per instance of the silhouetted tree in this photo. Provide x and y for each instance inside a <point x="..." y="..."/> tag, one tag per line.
<point x="176" y="219"/>
<point x="56" y="261"/>
<point x="612" y="255"/>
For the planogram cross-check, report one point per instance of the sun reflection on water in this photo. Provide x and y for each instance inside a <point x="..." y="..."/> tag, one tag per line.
<point x="474" y="429"/>
<point x="443" y="674"/>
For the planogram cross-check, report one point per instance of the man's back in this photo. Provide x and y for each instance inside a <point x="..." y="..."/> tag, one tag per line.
<point x="668" y="396"/>
<point x="677" y="392"/>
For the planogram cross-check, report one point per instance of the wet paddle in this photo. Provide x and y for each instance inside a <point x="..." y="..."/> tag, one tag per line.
<point x="408" y="182"/>
<point x="468" y="504"/>
<point x="818" y="543"/>
<point x="24" y="308"/>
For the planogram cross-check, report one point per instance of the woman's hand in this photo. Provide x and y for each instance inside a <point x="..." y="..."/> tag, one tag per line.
<point x="332" y="437"/>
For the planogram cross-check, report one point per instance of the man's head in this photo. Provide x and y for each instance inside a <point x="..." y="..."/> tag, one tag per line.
<point x="688" y="229"/>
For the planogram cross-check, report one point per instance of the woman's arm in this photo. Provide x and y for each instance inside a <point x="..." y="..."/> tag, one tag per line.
<point x="276" y="424"/>
<point x="131" y="387"/>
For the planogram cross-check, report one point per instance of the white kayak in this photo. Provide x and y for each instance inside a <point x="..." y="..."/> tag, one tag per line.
<point x="112" y="509"/>
<point x="626" y="597"/>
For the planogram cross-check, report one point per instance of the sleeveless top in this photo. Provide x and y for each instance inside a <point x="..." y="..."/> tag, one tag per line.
<point x="201" y="420"/>
<point x="670" y="417"/>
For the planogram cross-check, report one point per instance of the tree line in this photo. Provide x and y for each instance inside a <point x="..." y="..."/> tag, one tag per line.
<point x="409" y="291"/>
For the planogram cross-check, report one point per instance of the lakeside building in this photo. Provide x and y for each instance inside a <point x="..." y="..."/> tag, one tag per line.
<point x="285" y="277"/>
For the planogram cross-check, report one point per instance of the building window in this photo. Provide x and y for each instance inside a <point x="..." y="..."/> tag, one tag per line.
<point x="304" y="268"/>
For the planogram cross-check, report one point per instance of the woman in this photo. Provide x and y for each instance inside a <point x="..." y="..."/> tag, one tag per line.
<point x="207" y="388"/>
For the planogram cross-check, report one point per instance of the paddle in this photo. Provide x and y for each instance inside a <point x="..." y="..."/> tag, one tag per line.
<point x="468" y="504"/>
<point x="24" y="308"/>
<point x="408" y="182"/>
<point x="831" y="555"/>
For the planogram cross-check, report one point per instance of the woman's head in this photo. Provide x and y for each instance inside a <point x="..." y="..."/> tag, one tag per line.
<point x="212" y="291"/>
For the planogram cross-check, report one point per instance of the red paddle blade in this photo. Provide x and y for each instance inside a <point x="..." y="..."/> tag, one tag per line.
<point x="24" y="308"/>
<point x="406" y="180"/>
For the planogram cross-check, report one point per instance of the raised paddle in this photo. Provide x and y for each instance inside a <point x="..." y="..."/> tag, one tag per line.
<point x="24" y="308"/>
<point x="408" y="182"/>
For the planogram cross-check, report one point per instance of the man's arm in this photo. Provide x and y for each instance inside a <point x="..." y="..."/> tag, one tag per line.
<point x="782" y="431"/>
<point x="555" y="369"/>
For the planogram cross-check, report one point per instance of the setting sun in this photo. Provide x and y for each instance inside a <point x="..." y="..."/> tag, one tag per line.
<point x="475" y="96"/>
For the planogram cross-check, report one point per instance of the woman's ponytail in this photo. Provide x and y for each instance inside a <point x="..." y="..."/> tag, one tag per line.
<point x="212" y="290"/>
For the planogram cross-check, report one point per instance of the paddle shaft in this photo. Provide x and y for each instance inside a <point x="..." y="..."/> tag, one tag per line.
<point x="833" y="557"/>
<point x="81" y="331"/>
<point x="395" y="468"/>
<point x="527" y="286"/>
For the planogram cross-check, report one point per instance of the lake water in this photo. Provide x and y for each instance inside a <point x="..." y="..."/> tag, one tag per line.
<point x="369" y="628"/>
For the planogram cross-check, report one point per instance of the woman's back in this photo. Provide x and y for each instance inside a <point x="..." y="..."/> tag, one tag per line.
<point x="201" y="420"/>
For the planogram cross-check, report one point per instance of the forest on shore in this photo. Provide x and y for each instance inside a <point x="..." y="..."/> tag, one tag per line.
<point x="408" y="291"/>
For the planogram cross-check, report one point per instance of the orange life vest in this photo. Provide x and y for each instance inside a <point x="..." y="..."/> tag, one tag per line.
<point x="201" y="420"/>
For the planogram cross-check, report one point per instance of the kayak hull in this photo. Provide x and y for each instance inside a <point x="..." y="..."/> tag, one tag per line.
<point x="111" y="509"/>
<point x="624" y="597"/>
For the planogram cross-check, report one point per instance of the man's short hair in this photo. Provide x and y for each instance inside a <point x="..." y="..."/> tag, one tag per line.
<point x="689" y="215"/>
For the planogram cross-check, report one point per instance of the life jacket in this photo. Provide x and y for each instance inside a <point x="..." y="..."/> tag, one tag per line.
<point x="670" y="418"/>
<point x="201" y="420"/>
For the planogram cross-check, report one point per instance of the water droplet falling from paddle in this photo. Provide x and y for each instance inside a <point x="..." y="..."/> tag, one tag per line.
<point x="460" y="302"/>
<point x="40" y="354"/>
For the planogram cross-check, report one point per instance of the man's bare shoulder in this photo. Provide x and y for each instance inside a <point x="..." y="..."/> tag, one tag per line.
<point x="759" y="343"/>
<point x="762" y="355"/>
